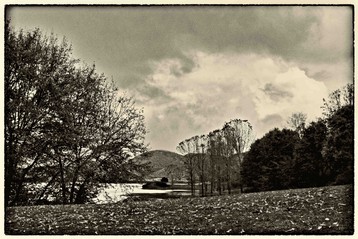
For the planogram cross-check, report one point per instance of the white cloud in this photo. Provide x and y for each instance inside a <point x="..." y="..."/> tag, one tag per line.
<point x="298" y="94"/>
<point x="227" y="86"/>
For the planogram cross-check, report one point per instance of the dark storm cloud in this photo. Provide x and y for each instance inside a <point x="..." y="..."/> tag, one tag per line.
<point x="137" y="36"/>
<point x="250" y="29"/>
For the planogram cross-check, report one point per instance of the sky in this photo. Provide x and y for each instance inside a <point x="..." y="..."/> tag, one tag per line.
<point x="193" y="68"/>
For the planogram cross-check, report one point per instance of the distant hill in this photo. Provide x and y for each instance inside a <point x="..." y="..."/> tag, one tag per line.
<point x="164" y="164"/>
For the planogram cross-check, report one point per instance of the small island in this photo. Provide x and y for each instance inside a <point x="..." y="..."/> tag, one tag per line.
<point x="163" y="184"/>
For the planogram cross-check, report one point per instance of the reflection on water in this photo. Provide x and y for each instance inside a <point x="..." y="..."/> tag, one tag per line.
<point x="111" y="193"/>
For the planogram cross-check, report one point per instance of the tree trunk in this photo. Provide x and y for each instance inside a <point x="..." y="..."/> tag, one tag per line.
<point x="228" y="184"/>
<point x="219" y="181"/>
<point x="23" y="175"/>
<point x="47" y="185"/>
<point x="9" y="168"/>
<point x="74" y="180"/>
<point x="172" y="179"/>
<point x="212" y="176"/>
<point x="9" y="173"/>
<point x="229" y="165"/>
<point x="63" y="183"/>
<point x="202" y="186"/>
<point x="203" y="175"/>
<point x="211" y="188"/>
<point x="80" y="197"/>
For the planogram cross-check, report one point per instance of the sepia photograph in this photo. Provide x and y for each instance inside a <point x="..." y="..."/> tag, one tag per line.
<point x="178" y="119"/>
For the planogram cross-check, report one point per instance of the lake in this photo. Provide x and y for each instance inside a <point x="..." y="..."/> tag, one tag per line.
<point x="116" y="192"/>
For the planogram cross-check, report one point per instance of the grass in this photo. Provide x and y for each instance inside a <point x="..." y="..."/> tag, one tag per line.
<point x="326" y="210"/>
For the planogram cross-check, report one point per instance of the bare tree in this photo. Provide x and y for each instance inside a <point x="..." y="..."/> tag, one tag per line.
<point x="217" y="160"/>
<point x="297" y="121"/>
<point x="239" y="136"/>
<point x="213" y="154"/>
<point x="201" y="143"/>
<point x="175" y="172"/>
<point x="217" y="157"/>
<point x="337" y="99"/>
<point x="187" y="148"/>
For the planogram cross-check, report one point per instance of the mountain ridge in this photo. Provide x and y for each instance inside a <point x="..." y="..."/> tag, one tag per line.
<point x="163" y="163"/>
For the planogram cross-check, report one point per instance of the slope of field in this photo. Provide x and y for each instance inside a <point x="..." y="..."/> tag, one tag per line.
<point x="163" y="163"/>
<point x="326" y="210"/>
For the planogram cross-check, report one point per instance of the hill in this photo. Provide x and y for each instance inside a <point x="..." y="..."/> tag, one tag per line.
<point x="310" y="211"/>
<point x="163" y="164"/>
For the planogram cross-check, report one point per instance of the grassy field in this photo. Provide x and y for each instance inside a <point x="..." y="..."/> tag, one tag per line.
<point x="326" y="210"/>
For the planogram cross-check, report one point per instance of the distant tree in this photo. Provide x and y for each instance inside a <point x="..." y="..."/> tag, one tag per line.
<point x="201" y="143"/>
<point x="337" y="99"/>
<point x="216" y="151"/>
<point x="217" y="157"/>
<point x="238" y="136"/>
<point x="269" y="162"/>
<point x="187" y="147"/>
<point x="297" y="122"/>
<point x="310" y="169"/>
<point x="338" y="151"/>
<point x="164" y="180"/>
<point x="175" y="171"/>
<point x="195" y="161"/>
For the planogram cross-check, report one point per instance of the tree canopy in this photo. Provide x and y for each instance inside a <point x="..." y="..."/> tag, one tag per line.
<point x="339" y="148"/>
<point x="66" y="126"/>
<point x="216" y="158"/>
<point x="323" y="154"/>
<point x="310" y="169"/>
<point x="268" y="164"/>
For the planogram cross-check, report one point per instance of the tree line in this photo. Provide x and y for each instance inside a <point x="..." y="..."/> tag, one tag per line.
<point x="214" y="160"/>
<point x="318" y="154"/>
<point x="67" y="128"/>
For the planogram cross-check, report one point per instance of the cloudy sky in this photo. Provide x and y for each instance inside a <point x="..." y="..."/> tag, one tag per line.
<point x="193" y="68"/>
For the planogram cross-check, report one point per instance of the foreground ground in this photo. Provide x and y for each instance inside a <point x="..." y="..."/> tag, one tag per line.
<point x="327" y="210"/>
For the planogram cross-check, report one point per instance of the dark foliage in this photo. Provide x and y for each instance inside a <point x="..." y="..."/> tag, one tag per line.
<point x="269" y="163"/>
<point x="323" y="154"/>
<point x="310" y="169"/>
<point x="155" y="185"/>
<point x="339" y="148"/>
<point x="164" y="180"/>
